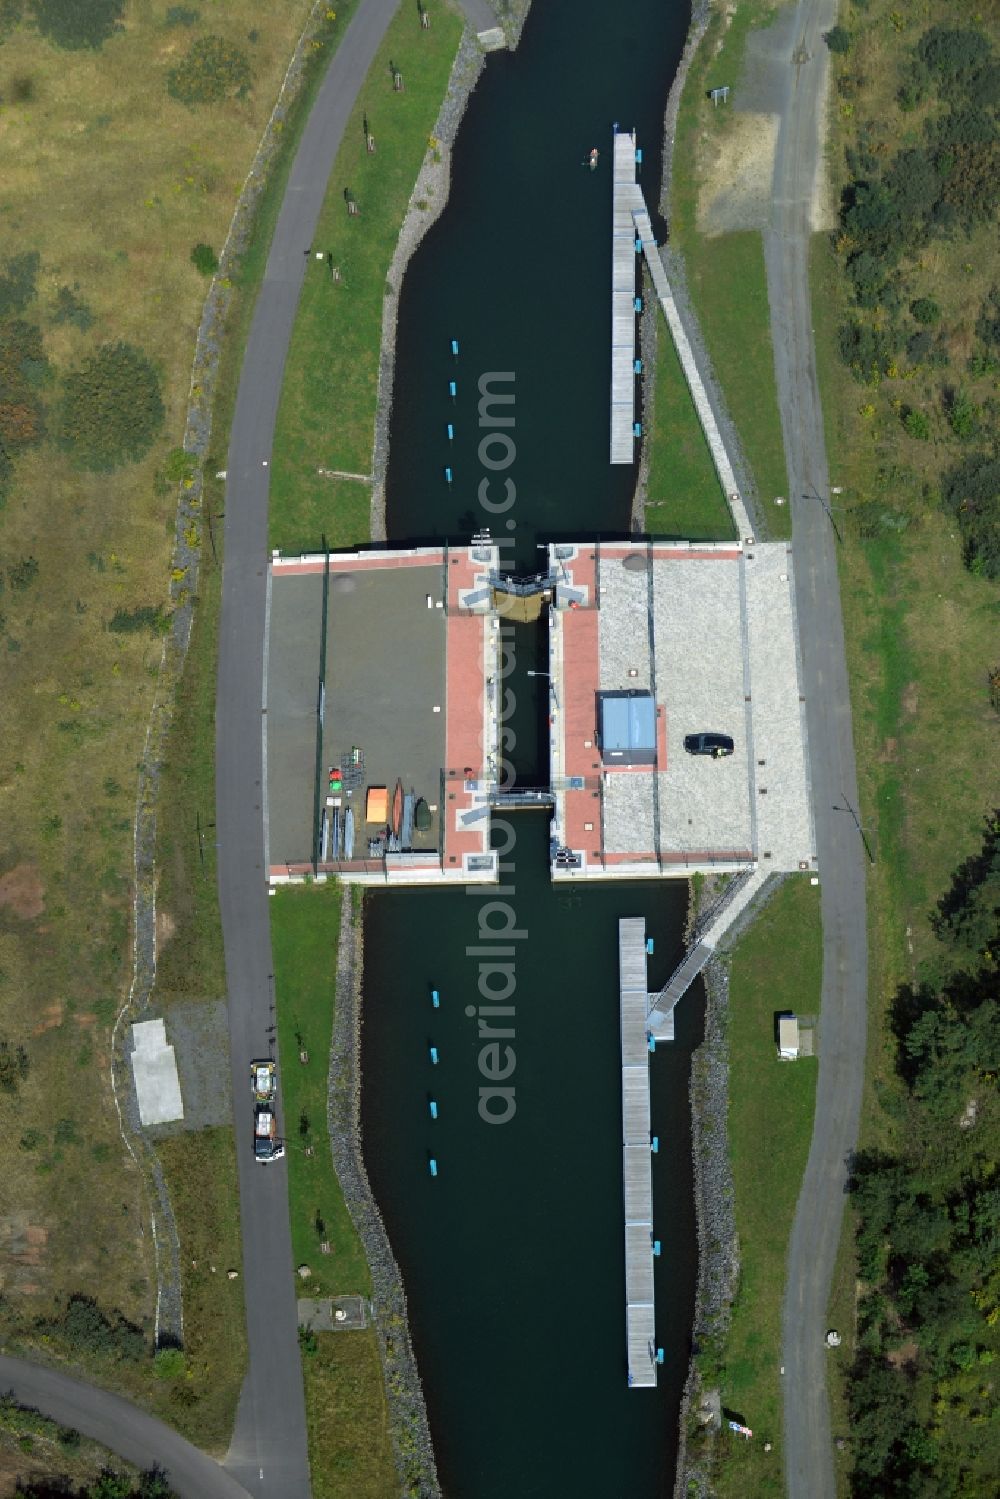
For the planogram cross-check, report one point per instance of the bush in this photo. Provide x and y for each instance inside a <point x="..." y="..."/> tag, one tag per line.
<point x="70" y="308"/>
<point x="971" y="493"/>
<point x="17" y="282"/>
<point x="15" y="1064"/>
<point x="988" y="323"/>
<point x="925" y="310"/>
<point x="179" y="465"/>
<point x="916" y="424"/>
<point x="839" y="39"/>
<point x="74" y="24"/>
<point x="21" y="575"/>
<point x="181" y="15"/>
<point x="111" y="408"/>
<point x="204" y="259"/>
<point x="963" y="415"/>
<point x="213" y="69"/>
<point x="87" y="1329"/>
<point x="143" y="617"/>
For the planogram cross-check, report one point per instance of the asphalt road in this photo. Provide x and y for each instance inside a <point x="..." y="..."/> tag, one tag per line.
<point x="120" y="1426"/>
<point x="268" y="1453"/>
<point x="842" y="859"/>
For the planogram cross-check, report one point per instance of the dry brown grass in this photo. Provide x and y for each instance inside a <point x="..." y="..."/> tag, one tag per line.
<point x="112" y="183"/>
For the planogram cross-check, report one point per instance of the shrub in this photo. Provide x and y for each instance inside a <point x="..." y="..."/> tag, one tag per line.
<point x="916" y="424"/>
<point x="15" y="1064"/>
<point x="87" y="1329"/>
<point x="17" y="282"/>
<point x="839" y="39"/>
<point x="213" y="69"/>
<point x="925" y="310"/>
<point x="204" y="259"/>
<point x="169" y="1363"/>
<point x="70" y="308"/>
<point x="65" y="1133"/>
<point x="31" y="1139"/>
<point x="10" y="14"/>
<point x="21" y="575"/>
<point x="963" y="415"/>
<point x="111" y="408"/>
<point x="74" y="24"/>
<point x="971" y="492"/>
<point x="181" y="15"/>
<point x="143" y="617"/>
<point x="179" y="465"/>
<point x="22" y="89"/>
<point x="988" y="322"/>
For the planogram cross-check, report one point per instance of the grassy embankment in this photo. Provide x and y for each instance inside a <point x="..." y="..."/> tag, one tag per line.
<point x="139" y="178"/>
<point x="327" y="414"/>
<point x="685" y="498"/>
<point x="778" y="964"/>
<point x="921" y="628"/>
<point x="345" y="1399"/>
<point x="726" y="271"/>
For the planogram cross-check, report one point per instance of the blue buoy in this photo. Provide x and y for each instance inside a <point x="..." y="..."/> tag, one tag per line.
<point x="454" y="347"/>
<point x="638" y="156"/>
<point x="655" y="1144"/>
<point x="452" y="389"/>
<point x="636" y="430"/>
<point x="432" y="1163"/>
<point x="652" y="1043"/>
<point x="434" y="1056"/>
<point x="637" y="367"/>
<point x="637" y="304"/>
<point x="433" y="1108"/>
<point x="649" y="945"/>
<point x="638" y="245"/>
<point x="656" y="1246"/>
<point x="659" y="1355"/>
<point x="451" y="433"/>
<point x="447" y="474"/>
<point x="435" y="999"/>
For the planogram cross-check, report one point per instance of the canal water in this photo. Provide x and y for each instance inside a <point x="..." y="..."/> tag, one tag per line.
<point x="513" y="1256"/>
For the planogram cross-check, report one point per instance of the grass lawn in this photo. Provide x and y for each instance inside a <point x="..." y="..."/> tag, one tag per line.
<point x="327" y="413"/>
<point x="729" y="290"/>
<point x="305" y="930"/>
<point x="776" y="966"/>
<point x="349" y="1447"/>
<point x="726" y="272"/>
<point x="685" y="498"/>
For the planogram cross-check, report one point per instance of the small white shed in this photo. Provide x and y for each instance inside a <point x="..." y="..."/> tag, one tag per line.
<point x="788" y="1037"/>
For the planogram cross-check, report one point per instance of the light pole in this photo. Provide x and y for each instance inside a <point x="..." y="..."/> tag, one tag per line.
<point x="815" y="495"/>
<point x="857" y="823"/>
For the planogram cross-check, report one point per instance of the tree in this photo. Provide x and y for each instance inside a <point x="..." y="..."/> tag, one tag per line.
<point x="839" y="39"/>
<point x="111" y="408"/>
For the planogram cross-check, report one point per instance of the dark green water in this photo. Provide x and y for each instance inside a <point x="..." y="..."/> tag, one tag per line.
<point x="513" y="1258"/>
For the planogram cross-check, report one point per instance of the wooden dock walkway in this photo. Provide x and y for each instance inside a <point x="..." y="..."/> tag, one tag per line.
<point x="637" y="1167"/>
<point x="626" y="199"/>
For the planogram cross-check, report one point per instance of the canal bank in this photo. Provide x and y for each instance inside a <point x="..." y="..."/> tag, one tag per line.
<point x="511" y="1255"/>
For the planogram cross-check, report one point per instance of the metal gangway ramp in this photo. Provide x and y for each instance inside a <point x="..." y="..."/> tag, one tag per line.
<point x="626" y="199"/>
<point x="637" y="1166"/>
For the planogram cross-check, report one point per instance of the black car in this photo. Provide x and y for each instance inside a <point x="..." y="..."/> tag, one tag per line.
<point x="715" y="745"/>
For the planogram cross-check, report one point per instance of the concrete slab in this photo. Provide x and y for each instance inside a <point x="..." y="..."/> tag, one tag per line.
<point x="154" y="1069"/>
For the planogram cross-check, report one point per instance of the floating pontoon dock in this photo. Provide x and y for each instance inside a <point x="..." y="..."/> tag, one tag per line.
<point x="627" y="197"/>
<point x="637" y="1169"/>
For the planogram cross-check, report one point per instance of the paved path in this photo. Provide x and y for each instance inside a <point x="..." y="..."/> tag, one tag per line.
<point x="120" y="1426"/>
<point x="268" y="1452"/>
<point x="819" y="1216"/>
